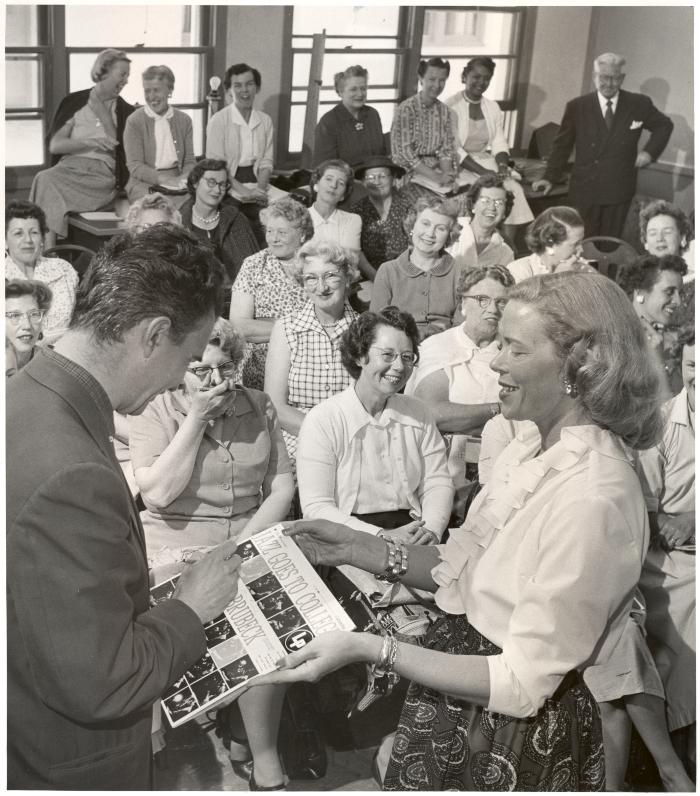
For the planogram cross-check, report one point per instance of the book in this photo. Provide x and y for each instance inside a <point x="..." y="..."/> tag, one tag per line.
<point x="281" y="605"/>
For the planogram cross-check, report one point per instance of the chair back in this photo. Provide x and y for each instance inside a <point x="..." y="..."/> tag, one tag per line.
<point x="541" y="141"/>
<point x="79" y="257"/>
<point x="610" y="254"/>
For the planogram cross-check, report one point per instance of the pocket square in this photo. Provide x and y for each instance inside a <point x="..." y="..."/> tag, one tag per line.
<point x="636" y="125"/>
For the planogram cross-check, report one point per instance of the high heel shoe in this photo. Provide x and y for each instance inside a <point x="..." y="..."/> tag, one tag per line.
<point x="242" y="768"/>
<point x="253" y="785"/>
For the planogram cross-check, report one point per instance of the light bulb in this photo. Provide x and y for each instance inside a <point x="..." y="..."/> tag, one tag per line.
<point x="214" y="83"/>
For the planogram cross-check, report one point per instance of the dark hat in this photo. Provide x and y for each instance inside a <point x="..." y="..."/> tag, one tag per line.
<point x="376" y="162"/>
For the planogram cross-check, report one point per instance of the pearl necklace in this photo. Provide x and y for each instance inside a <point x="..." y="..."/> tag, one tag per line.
<point x="213" y="220"/>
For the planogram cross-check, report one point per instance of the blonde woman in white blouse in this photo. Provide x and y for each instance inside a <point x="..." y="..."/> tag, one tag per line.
<point x="25" y="228"/>
<point x="543" y="567"/>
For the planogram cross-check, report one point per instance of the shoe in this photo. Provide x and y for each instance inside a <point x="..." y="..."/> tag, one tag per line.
<point x="375" y="770"/>
<point x="253" y="785"/>
<point x="242" y="768"/>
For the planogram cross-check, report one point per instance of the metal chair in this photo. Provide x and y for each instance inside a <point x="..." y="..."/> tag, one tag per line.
<point x="610" y="254"/>
<point x="79" y="257"/>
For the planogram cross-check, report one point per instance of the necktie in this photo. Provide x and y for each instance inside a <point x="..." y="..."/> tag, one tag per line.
<point x="609" y="115"/>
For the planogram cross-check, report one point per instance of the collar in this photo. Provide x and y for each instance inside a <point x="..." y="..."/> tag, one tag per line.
<point x="89" y="383"/>
<point x="306" y="319"/>
<point x="357" y="417"/>
<point x="52" y="268"/>
<point x="574" y="441"/>
<point x="318" y="219"/>
<point x="444" y="266"/>
<point x="237" y="118"/>
<point x="603" y="102"/>
<point x="679" y="412"/>
<point x="156" y="116"/>
<point x="362" y="113"/>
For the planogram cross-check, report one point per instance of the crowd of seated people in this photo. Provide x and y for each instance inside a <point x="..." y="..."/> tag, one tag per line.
<point x="371" y="422"/>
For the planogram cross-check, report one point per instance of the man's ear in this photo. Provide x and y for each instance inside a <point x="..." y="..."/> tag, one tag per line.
<point x="154" y="332"/>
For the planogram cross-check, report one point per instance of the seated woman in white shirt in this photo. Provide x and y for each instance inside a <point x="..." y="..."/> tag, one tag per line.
<point x="331" y="183"/>
<point x="454" y="376"/>
<point x="481" y="243"/>
<point x="555" y="239"/>
<point x="369" y="457"/>
<point x="243" y="137"/>
<point x="543" y="567"/>
<point x="482" y="146"/>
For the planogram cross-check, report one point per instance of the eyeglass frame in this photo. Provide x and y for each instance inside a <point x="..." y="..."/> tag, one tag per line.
<point x="491" y="202"/>
<point x="327" y="279"/>
<point x="15" y="316"/>
<point x="211" y="183"/>
<point x="209" y="369"/>
<point x="385" y="352"/>
<point x="377" y="177"/>
<point x="499" y="303"/>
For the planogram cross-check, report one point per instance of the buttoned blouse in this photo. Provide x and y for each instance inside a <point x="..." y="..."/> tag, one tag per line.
<point x="465" y="253"/>
<point x="428" y="295"/>
<point x="547" y="560"/>
<point x="667" y="471"/>
<point x="333" y="445"/>
<point x="234" y="457"/>
<point x="224" y="138"/>
<point x="422" y="132"/>
<point x="342" y="228"/>
<point x="62" y="278"/>
<point x="315" y="369"/>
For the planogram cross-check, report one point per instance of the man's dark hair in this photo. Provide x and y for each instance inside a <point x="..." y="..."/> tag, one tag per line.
<point x="162" y="271"/>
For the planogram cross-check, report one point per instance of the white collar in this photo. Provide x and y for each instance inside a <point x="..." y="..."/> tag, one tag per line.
<point x="603" y="102"/>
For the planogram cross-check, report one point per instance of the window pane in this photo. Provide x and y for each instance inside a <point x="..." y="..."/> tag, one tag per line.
<point x="186" y="66"/>
<point x="301" y="43"/>
<point x="474" y="32"/>
<point x="22" y="81"/>
<point x="381" y="67"/>
<point x="197" y="117"/>
<point x="131" y="26"/>
<point x="346" y="20"/>
<point x="296" y="127"/>
<point x="24" y="142"/>
<point x="22" y="29"/>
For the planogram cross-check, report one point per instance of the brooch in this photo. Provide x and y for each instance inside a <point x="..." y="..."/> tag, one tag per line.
<point x="359" y="126"/>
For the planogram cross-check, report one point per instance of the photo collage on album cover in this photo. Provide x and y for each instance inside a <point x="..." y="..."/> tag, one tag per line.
<point x="226" y="665"/>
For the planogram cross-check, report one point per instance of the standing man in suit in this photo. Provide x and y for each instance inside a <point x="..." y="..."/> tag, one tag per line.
<point x="605" y="126"/>
<point x="87" y="657"/>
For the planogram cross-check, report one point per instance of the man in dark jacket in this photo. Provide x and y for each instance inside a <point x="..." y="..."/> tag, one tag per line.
<point x="86" y="656"/>
<point x="605" y="127"/>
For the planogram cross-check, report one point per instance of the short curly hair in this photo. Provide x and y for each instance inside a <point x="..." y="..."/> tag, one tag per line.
<point x="339" y="78"/>
<point x="293" y="212"/>
<point x="160" y="72"/>
<point x="445" y="207"/>
<point x="660" y="207"/>
<point x="645" y="271"/>
<point x="21" y="208"/>
<point x="489" y="181"/>
<point x="15" y="288"/>
<point x="241" y="69"/>
<point x="480" y="60"/>
<point x="362" y="332"/>
<point x="208" y="164"/>
<point x="105" y="61"/>
<point x="603" y="351"/>
<point x="344" y="259"/>
<point x="229" y="339"/>
<point x="437" y="63"/>
<point x="551" y="227"/>
<point x="151" y="201"/>
<point x="334" y="163"/>
<point x="472" y="276"/>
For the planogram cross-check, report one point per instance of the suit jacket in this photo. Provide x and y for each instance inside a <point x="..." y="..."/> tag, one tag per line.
<point x="71" y="104"/>
<point x="86" y="656"/>
<point x="604" y="171"/>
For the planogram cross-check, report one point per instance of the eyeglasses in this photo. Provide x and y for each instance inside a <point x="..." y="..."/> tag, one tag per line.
<point x="33" y="316"/>
<point x="408" y="358"/>
<point x="332" y="279"/>
<point x="212" y="183"/>
<point x="225" y="369"/>
<point x="487" y="200"/>
<point x="377" y="177"/>
<point x="143" y="227"/>
<point x="485" y="301"/>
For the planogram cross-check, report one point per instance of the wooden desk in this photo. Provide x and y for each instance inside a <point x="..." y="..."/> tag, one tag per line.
<point x="92" y="233"/>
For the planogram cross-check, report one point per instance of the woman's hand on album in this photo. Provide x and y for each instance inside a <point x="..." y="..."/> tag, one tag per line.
<point x="322" y="541"/>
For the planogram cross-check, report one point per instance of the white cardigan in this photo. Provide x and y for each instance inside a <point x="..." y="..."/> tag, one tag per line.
<point x="494" y="123"/>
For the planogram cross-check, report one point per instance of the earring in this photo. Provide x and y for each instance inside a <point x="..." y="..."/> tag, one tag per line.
<point x="549" y="250"/>
<point x="640" y="299"/>
<point x="570" y="389"/>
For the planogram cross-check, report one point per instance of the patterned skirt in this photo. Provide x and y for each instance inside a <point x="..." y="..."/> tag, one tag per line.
<point x="443" y="743"/>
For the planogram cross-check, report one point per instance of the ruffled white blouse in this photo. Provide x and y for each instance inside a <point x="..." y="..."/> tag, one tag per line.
<point x="546" y="561"/>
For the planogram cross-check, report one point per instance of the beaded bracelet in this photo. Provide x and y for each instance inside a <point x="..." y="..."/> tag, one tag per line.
<point x="397" y="562"/>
